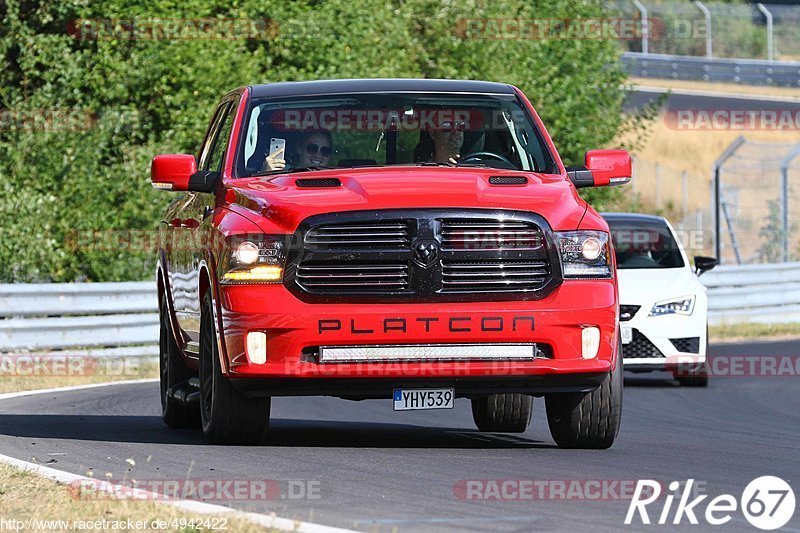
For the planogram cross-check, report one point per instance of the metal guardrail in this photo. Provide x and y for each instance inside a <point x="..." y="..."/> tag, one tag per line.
<point x="93" y="316"/>
<point x="743" y="71"/>
<point x="767" y="293"/>
<point x="122" y="319"/>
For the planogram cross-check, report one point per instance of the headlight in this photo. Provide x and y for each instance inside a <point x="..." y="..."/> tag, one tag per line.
<point x="253" y="259"/>
<point x="584" y="254"/>
<point x="679" y="306"/>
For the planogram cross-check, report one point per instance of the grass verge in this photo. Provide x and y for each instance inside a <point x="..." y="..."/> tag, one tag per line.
<point x="750" y="332"/>
<point x="26" y="497"/>
<point x="32" y="372"/>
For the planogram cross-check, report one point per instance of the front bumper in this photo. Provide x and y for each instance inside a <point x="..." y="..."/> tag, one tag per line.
<point x="295" y="331"/>
<point x="663" y="342"/>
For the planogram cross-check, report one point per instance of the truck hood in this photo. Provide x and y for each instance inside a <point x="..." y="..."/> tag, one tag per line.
<point x="277" y="204"/>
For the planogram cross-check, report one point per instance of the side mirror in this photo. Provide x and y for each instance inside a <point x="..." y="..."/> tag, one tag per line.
<point x="602" y="168"/>
<point x="178" y="172"/>
<point x="704" y="264"/>
<point x="171" y="172"/>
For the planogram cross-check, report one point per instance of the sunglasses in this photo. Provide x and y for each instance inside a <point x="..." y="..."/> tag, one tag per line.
<point x="313" y="148"/>
<point x="449" y="125"/>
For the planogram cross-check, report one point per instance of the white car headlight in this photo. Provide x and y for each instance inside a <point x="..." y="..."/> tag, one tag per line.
<point x="677" y="306"/>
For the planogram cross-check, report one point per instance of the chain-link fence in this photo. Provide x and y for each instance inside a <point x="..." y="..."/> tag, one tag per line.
<point x="712" y="29"/>
<point x="681" y="197"/>
<point x="757" y="203"/>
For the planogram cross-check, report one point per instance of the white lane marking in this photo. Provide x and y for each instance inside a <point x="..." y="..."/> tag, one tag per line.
<point x="270" y="521"/>
<point x="716" y="94"/>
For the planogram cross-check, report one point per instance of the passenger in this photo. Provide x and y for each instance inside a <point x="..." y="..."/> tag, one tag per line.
<point x="314" y="150"/>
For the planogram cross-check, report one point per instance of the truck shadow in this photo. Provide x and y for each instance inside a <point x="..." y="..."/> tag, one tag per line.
<point x="283" y="433"/>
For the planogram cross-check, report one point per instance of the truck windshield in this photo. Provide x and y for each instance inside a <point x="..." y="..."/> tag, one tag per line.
<point x="363" y="130"/>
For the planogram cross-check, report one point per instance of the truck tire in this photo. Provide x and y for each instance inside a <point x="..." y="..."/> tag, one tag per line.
<point x="227" y="416"/>
<point x="173" y="371"/>
<point x="588" y="419"/>
<point x="503" y="413"/>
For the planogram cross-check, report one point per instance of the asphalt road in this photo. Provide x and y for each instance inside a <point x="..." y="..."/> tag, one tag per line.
<point x="371" y="469"/>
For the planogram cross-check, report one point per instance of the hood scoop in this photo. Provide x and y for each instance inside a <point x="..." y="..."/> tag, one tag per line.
<point x="308" y="183"/>
<point x="508" y="180"/>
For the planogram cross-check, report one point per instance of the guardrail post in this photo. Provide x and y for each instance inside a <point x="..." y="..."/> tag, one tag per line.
<point x="729" y="151"/>
<point x="707" y="15"/>
<point x="645" y="26"/>
<point x="770" y="40"/>
<point x="785" y="199"/>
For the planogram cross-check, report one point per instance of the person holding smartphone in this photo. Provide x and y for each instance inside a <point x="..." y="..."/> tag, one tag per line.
<point x="314" y="150"/>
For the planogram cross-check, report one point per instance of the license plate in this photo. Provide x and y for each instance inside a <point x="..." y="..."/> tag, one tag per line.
<point x="415" y="399"/>
<point x="627" y="335"/>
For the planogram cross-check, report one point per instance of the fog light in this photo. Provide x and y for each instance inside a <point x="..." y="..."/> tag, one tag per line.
<point x="257" y="347"/>
<point x="590" y="342"/>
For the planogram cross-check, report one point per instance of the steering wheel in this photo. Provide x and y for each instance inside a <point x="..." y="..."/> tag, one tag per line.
<point x="477" y="156"/>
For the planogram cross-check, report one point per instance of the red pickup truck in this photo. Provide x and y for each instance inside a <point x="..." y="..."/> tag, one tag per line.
<point x="416" y="241"/>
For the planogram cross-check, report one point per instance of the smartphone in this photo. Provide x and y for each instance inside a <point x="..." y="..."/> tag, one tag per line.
<point x="276" y="145"/>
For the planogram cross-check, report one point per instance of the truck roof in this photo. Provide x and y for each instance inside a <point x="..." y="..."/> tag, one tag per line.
<point x="377" y="85"/>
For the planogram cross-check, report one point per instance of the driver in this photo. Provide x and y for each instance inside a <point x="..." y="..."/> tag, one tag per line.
<point x="443" y="144"/>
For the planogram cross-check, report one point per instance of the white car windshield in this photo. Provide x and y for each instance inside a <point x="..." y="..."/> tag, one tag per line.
<point x="644" y="244"/>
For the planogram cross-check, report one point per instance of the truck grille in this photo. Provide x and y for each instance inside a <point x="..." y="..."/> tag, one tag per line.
<point x="423" y="255"/>
<point x="360" y="235"/>
<point x="488" y="234"/>
<point x="353" y="278"/>
<point x="493" y="275"/>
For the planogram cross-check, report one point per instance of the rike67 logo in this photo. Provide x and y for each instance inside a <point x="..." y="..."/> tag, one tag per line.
<point x="767" y="502"/>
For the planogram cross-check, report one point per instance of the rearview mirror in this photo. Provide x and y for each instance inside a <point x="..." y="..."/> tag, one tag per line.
<point x="602" y="168"/>
<point x="704" y="264"/>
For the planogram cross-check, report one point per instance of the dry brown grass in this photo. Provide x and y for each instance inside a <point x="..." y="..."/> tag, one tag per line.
<point x="753" y="332"/>
<point x="27" y="496"/>
<point x="17" y="373"/>
<point x="692" y="151"/>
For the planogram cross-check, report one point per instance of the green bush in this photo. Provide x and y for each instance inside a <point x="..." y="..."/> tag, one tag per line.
<point x="135" y="98"/>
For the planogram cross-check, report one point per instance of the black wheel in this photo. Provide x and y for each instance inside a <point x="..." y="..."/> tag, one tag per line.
<point x="588" y="419"/>
<point x="696" y="375"/>
<point x="692" y="375"/>
<point x="503" y="413"/>
<point x="227" y="416"/>
<point x="173" y="371"/>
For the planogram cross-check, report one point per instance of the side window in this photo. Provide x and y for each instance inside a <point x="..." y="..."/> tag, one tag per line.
<point x="211" y="134"/>
<point x="220" y="143"/>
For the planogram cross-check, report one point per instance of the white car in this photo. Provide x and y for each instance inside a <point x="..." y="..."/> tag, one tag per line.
<point x="663" y="305"/>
